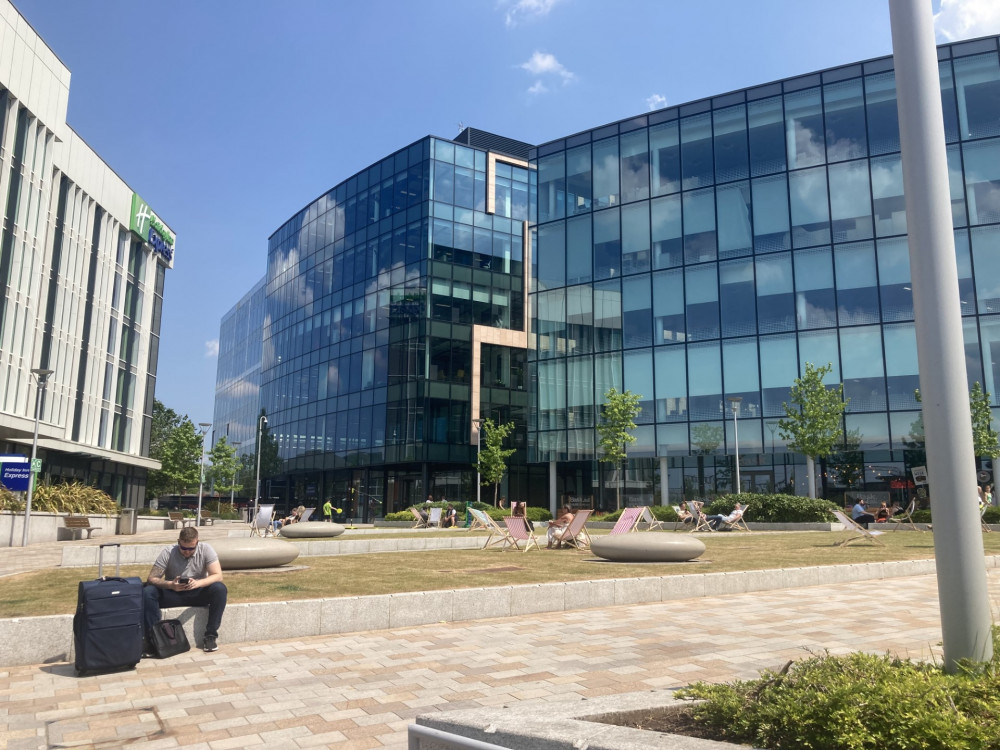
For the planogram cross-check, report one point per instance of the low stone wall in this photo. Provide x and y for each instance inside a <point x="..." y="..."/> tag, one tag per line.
<point x="49" y="527"/>
<point x="35" y="640"/>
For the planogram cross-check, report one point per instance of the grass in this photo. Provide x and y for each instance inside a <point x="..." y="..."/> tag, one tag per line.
<point x="51" y="592"/>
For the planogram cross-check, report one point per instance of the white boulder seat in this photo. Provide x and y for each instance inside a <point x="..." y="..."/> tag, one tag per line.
<point x="647" y="547"/>
<point x="311" y="530"/>
<point x="249" y="553"/>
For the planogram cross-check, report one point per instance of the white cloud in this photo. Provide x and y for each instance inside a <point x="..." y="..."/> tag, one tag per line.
<point x="528" y="10"/>
<point x="543" y="63"/>
<point x="656" y="101"/>
<point x="211" y="348"/>
<point x="538" y="88"/>
<point x="965" y="19"/>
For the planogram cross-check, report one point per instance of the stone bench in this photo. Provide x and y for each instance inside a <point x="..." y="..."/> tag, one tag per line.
<point x="647" y="546"/>
<point x="79" y="524"/>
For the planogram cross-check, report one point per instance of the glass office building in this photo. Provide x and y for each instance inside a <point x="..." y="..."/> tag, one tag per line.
<point x="691" y="255"/>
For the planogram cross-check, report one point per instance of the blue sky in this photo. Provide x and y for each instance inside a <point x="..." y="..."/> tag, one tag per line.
<point x="228" y="116"/>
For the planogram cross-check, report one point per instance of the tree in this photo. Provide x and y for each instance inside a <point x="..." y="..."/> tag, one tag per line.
<point x="615" y="428"/>
<point x="848" y="463"/>
<point x="984" y="437"/>
<point x="492" y="464"/>
<point x="812" y="425"/>
<point x="181" y="455"/>
<point x="706" y="438"/>
<point x="165" y="421"/>
<point x="270" y="458"/>
<point x="224" y="466"/>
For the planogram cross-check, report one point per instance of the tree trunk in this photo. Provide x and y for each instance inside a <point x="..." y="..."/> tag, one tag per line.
<point x="811" y="475"/>
<point x="621" y="478"/>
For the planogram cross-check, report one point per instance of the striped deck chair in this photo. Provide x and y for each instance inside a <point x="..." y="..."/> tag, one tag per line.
<point x="576" y="533"/>
<point x="476" y="522"/>
<point x="261" y="525"/>
<point x="631" y="518"/>
<point x="519" y="530"/>
<point x="419" y="521"/>
<point x="498" y="534"/>
<point x="858" y="532"/>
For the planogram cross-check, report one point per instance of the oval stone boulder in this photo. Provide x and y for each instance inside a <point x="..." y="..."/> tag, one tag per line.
<point x="253" y="552"/>
<point x="643" y="546"/>
<point x="312" y="530"/>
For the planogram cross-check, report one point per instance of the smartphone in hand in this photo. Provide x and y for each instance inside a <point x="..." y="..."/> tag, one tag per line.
<point x="184" y="581"/>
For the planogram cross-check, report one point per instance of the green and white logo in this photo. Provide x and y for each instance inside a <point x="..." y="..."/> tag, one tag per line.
<point x="147" y="225"/>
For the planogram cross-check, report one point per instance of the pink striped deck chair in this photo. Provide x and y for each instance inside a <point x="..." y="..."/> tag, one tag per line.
<point x="576" y="533"/>
<point x="631" y="518"/>
<point x="519" y="530"/>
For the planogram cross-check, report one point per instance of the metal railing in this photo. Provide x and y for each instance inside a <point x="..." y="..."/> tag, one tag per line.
<point x="416" y="733"/>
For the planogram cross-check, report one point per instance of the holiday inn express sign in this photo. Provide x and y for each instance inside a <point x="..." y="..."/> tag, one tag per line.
<point x="147" y="225"/>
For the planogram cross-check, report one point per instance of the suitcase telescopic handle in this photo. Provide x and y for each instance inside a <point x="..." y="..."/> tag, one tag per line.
<point x="100" y="559"/>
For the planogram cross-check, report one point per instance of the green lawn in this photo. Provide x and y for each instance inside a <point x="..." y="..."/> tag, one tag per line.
<point x="50" y="591"/>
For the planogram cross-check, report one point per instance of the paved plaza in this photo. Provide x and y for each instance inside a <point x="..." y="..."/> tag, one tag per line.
<point x="362" y="690"/>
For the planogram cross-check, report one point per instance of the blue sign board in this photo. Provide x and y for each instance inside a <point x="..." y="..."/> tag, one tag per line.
<point x="15" y="473"/>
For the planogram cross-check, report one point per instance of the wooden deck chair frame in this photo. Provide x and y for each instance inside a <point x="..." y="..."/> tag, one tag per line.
<point x="576" y="533"/>
<point x="631" y="518"/>
<point x="648" y="518"/>
<point x="519" y="529"/>
<point x="699" y="520"/>
<point x="498" y="534"/>
<point x="737" y="524"/>
<point x="906" y="516"/>
<point x="982" y="518"/>
<point x="857" y="531"/>
<point x="434" y="517"/>
<point x="682" y="515"/>
<point x="418" y="520"/>
<point x="261" y="525"/>
<point x="476" y="523"/>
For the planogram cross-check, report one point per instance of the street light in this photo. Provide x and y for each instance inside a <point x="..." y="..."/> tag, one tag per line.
<point x="478" y="422"/>
<point x="232" y="486"/>
<point x="260" y="429"/>
<point x="201" y="466"/>
<point x="735" y="401"/>
<point x="41" y="375"/>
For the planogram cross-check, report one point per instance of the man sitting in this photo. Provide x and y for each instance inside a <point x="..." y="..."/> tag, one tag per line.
<point x="558" y="526"/>
<point x="716" y="521"/>
<point x="860" y="514"/>
<point x="186" y="575"/>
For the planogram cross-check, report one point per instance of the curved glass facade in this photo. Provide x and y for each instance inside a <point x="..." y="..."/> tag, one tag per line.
<point x="690" y="255"/>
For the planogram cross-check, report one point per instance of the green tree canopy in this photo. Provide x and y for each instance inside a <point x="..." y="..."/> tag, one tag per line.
<point x="165" y="421"/>
<point x="984" y="437"/>
<point x="615" y="429"/>
<point x="812" y="424"/>
<point x="223" y="466"/>
<point x="492" y="464"/>
<point x="180" y="458"/>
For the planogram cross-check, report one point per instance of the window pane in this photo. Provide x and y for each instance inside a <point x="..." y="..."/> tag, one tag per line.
<point x="668" y="307"/>
<point x="767" y="136"/>
<point x="696" y="151"/>
<point x="732" y="155"/>
<point x="804" y="129"/>
<point x="607" y="244"/>
<point x="635" y="166"/>
<point x="667" y="237"/>
<point x="552" y="187"/>
<point x="701" y="284"/>
<point x="607" y="316"/>
<point x="606" y="173"/>
<point x="735" y="233"/>
<point x="857" y="293"/>
<point x="739" y="358"/>
<point x="990" y="328"/>
<point x="639" y="380"/>
<point x="982" y="181"/>
<point x="864" y="382"/>
<point x="551" y="255"/>
<point x="699" y="226"/>
<point x="966" y="289"/>
<point x="820" y="348"/>
<point x="778" y="370"/>
<point x="580" y="392"/>
<point x="635" y="238"/>
<point x="704" y="381"/>
<point x="894" y="280"/>
<point x="887" y="194"/>
<point x="986" y="261"/>
<point x="901" y="365"/>
<point x="551" y="323"/>
<point x="978" y="89"/>
<point x="637" y="311"/>
<point x="671" y="383"/>
<point x="578" y="187"/>
<point x="949" y="105"/>
<point x="883" y="119"/>
<point x="844" y="105"/>
<point x="552" y="395"/>
<point x="814" y="298"/>
<point x="665" y="151"/>
<point x="579" y="252"/>
<point x="579" y="320"/>
<point x="957" y="185"/>
<point x="775" y="295"/>
<point x="739" y="315"/>
<point x="771" y="228"/>
<point x="810" y="210"/>
<point x="850" y="201"/>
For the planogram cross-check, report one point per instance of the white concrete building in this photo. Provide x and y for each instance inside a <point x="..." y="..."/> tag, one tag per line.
<point x="82" y="266"/>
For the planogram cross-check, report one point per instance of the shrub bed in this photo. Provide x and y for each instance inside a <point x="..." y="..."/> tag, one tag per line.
<point x="992" y="515"/>
<point x="70" y="497"/>
<point x="857" y="701"/>
<point x="776" y="508"/>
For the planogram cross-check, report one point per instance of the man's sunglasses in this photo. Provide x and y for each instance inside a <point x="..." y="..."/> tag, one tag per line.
<point x="188" y="549"/>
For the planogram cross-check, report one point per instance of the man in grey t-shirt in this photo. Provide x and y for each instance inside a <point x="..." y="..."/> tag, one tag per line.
<point x="187" y="575"/>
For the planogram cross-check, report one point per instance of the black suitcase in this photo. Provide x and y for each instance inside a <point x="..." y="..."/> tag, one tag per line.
<point x="107" y="626"/>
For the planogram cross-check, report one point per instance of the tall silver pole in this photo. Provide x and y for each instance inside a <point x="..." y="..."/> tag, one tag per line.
<point x="232" y="483"/>
<point x="201" y="469"/>
<point x="479" y="448"/>
<point x="43" y="379"/>
<point x="958" y="541"/>
<point x="735" y="401"/>
<point x="260" y="429"/>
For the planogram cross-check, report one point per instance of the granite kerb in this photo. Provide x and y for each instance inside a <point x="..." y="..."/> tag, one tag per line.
<point x="36" y="640"/>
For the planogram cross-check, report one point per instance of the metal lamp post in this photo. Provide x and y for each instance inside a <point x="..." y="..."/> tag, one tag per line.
<point x="260" y="430"/>
<point x="479" y="446"/>
<point x="41" y="375"/>
<point x="201" y="469"/>
<point x="735" y="401"/>
<point x="232" y="484"/>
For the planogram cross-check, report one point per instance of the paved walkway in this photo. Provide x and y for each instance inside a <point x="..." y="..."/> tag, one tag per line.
<point x="362" y="690"/>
